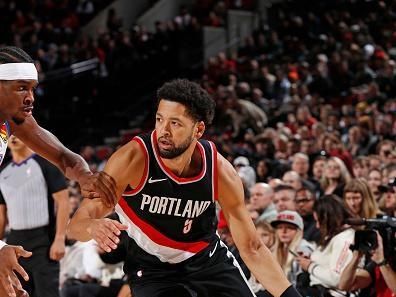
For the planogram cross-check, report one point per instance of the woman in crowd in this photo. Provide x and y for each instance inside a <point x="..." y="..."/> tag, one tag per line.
<point x="266" y="232"/>
<point x="335" y="176"/>
<point x="327" y="262"/>
<point x="360" y="200"/>
<point x="374" y="181"/>
<point x="289" y="243"/>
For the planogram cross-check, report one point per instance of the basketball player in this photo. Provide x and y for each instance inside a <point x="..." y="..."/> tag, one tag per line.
<point x="168" y="183"/>
<point x="18" y="79"/>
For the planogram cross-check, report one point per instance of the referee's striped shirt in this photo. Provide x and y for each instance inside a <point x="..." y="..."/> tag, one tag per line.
<point x="26" y="189"/>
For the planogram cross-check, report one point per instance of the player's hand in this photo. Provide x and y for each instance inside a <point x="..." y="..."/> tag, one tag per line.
<point x="19" y="293"/>
<point x="99" y="185"/>
<point x="106" y="232"/>
<point x="9" y="255"/>
<point x="57" y="250"/>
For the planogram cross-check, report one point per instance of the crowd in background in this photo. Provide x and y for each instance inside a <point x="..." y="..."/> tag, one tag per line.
<point x="306" y="113"/>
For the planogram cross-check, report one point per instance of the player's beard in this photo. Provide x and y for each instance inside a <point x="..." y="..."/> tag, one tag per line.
<point x="175" y="151"/>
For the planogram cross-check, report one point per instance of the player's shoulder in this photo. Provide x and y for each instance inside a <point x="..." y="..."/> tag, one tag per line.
<point x="223" y="164"/>
<point x="134" y="150"/>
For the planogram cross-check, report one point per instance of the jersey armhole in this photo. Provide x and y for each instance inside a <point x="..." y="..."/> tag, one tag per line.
<point x="143" y="180"/>
<point x="215" y="178"/>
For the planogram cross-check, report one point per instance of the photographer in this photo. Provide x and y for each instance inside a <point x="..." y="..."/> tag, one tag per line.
<point x="377" y="272"/>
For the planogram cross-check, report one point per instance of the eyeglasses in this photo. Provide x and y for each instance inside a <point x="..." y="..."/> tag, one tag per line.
<point x="303" y="200"/>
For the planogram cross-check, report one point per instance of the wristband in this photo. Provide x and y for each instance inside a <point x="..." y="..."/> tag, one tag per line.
<point x="290" y="292"/>
<point x="2" y="243"/>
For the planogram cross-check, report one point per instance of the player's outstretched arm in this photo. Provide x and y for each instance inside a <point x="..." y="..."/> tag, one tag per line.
<point x="126" y="167"/>
<point x="72" y="165"/>
<point x="255" y="254"/>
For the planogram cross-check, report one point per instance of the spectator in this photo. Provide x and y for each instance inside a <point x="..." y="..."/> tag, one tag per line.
<point x="284" y="197"/>
<point x="378" y="273"/>
<point x="261" y="201"/>
<point x="266" y="232"/>
<point x="388" y="172"/>
<point x="360" y="200"/>
<point x="361" y="167"/>
<point x="305" y="200"/>
<point x="292" y="179"/>
<point x="289" y="241"/>
<point x="332" y="255"/>
<point x="390" y="200"/>
<point x="81" y="266"/>
<point x="374" y="181"/>
<point x="387" y="151"/>
<point x="300" y="164"/>
<point x="335" y="177"/>
<point x="245" y="171"/>
<point x="262" y="171"/>
<point x="318" y="168"/>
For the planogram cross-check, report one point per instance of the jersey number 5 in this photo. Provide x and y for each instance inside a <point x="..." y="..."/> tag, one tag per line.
<point x="187" y="226"/>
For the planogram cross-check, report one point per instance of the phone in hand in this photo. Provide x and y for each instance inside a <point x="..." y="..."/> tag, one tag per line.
<point x="293" y="253"/>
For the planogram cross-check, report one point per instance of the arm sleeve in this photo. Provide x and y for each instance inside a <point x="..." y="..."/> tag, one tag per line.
<point x="2" y="244"/>
<point x="54" y="178"/>
<point x="340" y="255"/>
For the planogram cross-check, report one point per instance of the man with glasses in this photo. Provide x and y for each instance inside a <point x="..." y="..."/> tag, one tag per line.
<point x="305" y="201"/>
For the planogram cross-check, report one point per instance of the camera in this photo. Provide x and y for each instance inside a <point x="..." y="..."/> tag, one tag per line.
<point x="366" y="240"/>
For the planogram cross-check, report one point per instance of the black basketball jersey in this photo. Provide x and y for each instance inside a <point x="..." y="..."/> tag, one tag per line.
<point x="170" y="217"/>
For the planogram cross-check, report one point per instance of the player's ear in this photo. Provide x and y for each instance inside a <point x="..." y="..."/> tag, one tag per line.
<point x="199" y="129"/>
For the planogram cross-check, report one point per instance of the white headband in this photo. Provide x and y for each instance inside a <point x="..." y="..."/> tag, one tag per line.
<point x="18" y="71"/>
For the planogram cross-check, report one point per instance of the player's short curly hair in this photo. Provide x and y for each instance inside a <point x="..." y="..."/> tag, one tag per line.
<point x="200" y="106"/>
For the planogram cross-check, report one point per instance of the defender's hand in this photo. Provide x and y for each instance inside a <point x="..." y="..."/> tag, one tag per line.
<point x="9" y="255"/>
<point x="105" y="232"/>
<point x="99" y="185"/>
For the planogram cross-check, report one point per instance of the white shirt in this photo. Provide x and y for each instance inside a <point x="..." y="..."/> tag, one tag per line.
<point x="2" y="243"/>
<point x="328" y="264"/>
<point x="81" y="259"/>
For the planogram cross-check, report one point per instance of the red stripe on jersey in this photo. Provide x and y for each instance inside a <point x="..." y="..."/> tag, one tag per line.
<point x="158" y="237"/>
<point x="145" y="171"/>
<point x="169" y="172"/>
<point x="215" y="178"/>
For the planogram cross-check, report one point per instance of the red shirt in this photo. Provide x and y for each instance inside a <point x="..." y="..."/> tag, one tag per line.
<point x="381" y="287"/>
